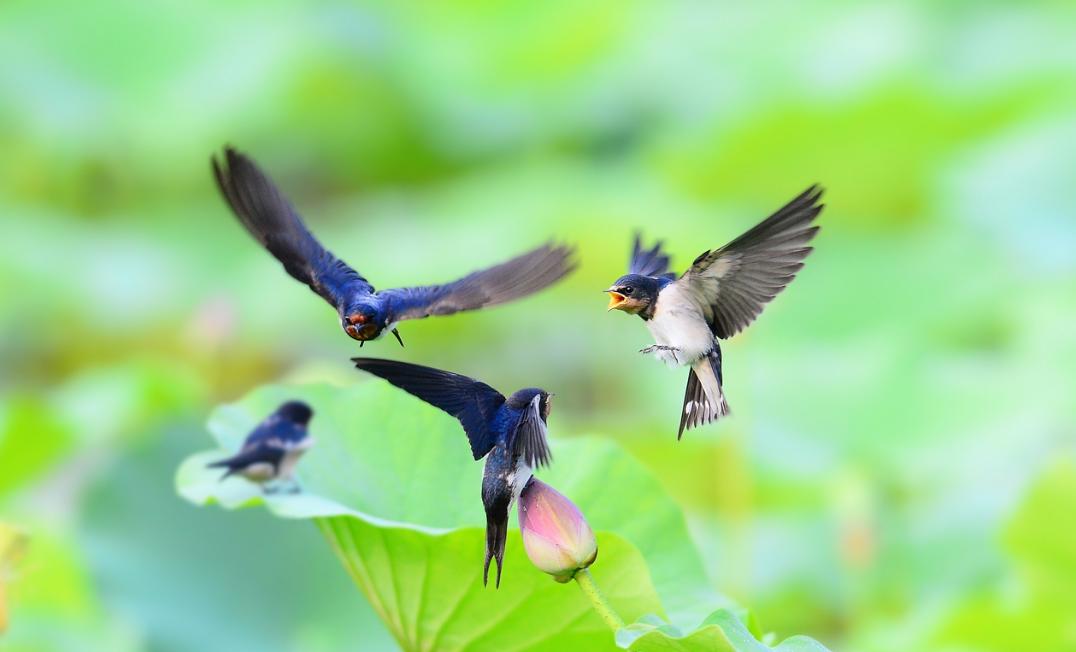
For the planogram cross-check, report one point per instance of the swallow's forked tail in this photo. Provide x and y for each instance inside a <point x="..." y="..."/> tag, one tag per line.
<point x="496" y="534"/>
<point x="226" y="464"/>
<point x="704" y="400"/>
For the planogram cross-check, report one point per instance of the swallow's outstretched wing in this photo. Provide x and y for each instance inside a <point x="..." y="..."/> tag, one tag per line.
<point x="473" y="402"/>
<point x="529" y="440"/>
<point x="502" y="283"/>
<point x="649" y="262"/>
<point x="734" y="283"/>
<point x="270" y="218"/>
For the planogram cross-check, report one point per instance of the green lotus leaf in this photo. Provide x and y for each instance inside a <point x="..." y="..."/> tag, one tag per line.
<point x="391" y="484"/>
<point x="722" y="631"/>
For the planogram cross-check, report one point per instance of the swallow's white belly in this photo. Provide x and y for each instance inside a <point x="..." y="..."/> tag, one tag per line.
<point x="259" y="472"/>
<point x="291" y="457"/>
<point x="678" y="323"/>
<point x="518" y="478"/>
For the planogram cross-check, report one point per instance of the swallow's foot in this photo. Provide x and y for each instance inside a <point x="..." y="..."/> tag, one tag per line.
<point x="277" y="488"/>
<point x="670" y="355"/>
<point x="657" y="348"/>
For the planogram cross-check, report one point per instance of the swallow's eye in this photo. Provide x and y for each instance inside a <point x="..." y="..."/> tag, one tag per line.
<point x="626" y="292"/>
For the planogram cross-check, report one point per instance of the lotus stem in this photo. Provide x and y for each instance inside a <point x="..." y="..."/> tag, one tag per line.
<point x="601" y="605"/>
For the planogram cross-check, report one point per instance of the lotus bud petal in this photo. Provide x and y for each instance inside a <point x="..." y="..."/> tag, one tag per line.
<point x="557" y="538"/>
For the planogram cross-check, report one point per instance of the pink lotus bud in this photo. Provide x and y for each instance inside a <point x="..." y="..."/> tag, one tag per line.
<point x="557" y="538"/>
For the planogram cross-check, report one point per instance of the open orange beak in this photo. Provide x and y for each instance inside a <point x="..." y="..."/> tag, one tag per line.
<point x="615" y="299"/>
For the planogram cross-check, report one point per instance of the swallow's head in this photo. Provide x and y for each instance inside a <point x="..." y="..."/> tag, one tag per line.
<point x="633" y="293"/>
<point x="362" y="322"/>
<point x="524" y="397"/>
<point x="546" y="405"/>
<point x="296" y="412"/>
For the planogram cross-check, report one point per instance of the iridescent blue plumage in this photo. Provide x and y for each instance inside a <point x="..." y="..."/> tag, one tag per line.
<point x="272" y="449"/>
<point x="365" y="313"/>
<point x="509" y="432"/>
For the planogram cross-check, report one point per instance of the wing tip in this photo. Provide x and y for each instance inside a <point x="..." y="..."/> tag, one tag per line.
<point x="228" y="156"/>
<point x="652" y="261"/>
<point x="367" y="364"/>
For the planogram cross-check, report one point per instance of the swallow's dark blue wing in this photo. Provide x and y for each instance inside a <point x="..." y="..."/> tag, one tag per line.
<point x="250" y="456"/>
<point x="474" y="403"/>
<point x="649" y="262"/>
<point x="732" y="285"/>
<point x="285" y="427"/>
<point x="510" y="280"/>
<point x="529" y="439"/>
<point x="273" y="222"/>
<point x="275" y="433"/>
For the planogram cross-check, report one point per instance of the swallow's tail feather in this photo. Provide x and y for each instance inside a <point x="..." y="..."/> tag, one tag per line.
<point x="704" y="399"/>
<point x="496" y="534"/>
<point x="228" y="464"/>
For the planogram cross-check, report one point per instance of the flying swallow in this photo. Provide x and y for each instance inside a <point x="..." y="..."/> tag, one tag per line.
<point x="722" y="292"/>
<point x="509" y="432"/>
<point x="365" y="313"/>
<point x="271" y="451"/>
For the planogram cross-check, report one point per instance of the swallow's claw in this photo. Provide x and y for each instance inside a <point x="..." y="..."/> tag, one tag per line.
<point x="655" y="348"/>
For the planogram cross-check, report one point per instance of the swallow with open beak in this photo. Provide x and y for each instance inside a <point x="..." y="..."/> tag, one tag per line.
<point x="271" y="451"/>
<point x="722" y="292"/>
<point x="366" y="314"/>
<point x="509" y="432"/>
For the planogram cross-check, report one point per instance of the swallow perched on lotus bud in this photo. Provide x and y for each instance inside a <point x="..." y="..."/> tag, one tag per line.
<point x="722" y="292"/>
<point x="367" y="314"/>
<point x="271" y="451"/>
<point x="510" y="432"/>
<point x="556" y="536"/>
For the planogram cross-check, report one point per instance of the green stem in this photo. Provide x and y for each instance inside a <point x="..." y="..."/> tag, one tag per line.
<point x="601" y="605"/>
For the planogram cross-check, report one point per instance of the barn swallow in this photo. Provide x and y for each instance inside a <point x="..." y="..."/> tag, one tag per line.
<point x="509" y="432"/>
<point x="271" y="451"/>
<point x="366" y="314"/>
<point x="722" y="292"/>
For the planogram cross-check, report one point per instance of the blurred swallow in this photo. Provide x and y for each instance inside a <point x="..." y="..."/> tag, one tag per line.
<point x="722" y="292"/>
<point x="509" y="432"/>
<point x="366" y="314"/>
<point x="271" y="451"/>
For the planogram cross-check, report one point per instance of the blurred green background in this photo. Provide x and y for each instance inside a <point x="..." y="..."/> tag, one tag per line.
<point x="899" y="471"/>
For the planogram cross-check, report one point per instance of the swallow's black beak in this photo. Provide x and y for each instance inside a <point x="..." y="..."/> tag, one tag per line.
<point x="398" y="338"/>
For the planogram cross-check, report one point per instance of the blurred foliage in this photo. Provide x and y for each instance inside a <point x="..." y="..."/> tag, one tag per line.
<point x="12" y="550"/>
<point x="890" y="409"/>
<point x="1031" y="609"/>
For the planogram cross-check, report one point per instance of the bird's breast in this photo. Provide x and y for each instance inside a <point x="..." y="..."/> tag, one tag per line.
<point x="292" y="455"/>
<point x="520" y="476"/>
<point x="505" y="475"/>
<point x="678" y="323"/>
